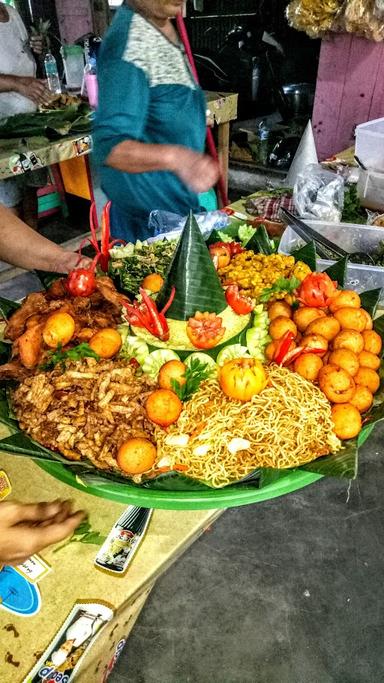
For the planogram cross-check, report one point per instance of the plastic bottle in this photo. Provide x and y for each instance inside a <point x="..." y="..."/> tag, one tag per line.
<point x="52" y="74"/>
<point x="263" y="131"/>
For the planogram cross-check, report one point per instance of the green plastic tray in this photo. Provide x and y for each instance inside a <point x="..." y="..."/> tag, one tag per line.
<point x="184" y="500"/>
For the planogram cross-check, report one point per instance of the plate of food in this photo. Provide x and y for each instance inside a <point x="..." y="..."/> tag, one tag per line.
<point x="224" y="374"/>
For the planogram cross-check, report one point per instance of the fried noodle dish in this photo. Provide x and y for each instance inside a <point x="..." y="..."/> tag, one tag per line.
<point x="286" y="425"/>
<point x="86" y="411"/>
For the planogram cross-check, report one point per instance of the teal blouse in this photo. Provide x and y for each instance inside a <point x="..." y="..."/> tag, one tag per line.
<point x="146" y="93"/>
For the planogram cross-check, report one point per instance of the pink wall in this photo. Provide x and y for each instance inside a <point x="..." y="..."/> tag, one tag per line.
<point x="75" y="19"/>
<point x="350" y="90"/>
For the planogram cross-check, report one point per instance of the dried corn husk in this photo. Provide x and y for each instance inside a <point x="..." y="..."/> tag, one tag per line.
<point x="363" y="18"/>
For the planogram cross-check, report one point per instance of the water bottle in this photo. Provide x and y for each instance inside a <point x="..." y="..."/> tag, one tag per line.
<point x="52" y="74"/>
<point x="263" y="132"/>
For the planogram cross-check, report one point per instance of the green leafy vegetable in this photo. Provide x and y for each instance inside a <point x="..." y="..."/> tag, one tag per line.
<point x="76" y="353"/>
<point x="83" y="534"/>
<point x="353" y="212"/>
<point x="283" y="284"/>
<point x="245" y="233"/>
<point x="132" y="263"/>
<point x="195" y="373"/>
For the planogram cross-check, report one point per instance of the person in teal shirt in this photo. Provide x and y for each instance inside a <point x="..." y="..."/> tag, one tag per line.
<point x="150" y="128"/>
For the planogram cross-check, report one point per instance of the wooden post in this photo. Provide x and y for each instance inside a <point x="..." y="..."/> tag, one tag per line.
<point x="350" y="90"/>
<point x="223" y="150"/>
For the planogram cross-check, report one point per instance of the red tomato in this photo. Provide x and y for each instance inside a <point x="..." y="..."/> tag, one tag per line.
<point x="220" y="254"/>
<point x="81" y="282"/>
<point x="240" y="304"/>
<point x="316" y="290"/>
<point x="205" y="330"/>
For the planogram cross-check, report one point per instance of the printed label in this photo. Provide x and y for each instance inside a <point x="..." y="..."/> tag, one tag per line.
<point x="83" y="145"/>
<point x="118" y="549"/>
<point x="62" y="658"/>
<point x="112" y="663"/>
<point x="5" y="485"/>
<point x="34" y="569"/>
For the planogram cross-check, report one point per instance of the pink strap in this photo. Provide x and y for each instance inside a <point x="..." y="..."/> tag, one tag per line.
<point x="210" y="141"/>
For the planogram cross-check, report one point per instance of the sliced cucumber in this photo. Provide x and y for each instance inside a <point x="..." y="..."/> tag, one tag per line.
<point x="134" y="348"/>
<point x="155" y="360"/>
<point x="231" y="352"/>
<point x="256" y="341"/>
<point x="204" y="359"/>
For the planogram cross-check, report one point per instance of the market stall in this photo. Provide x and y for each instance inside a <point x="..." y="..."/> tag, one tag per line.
<point x="25" y="152"/>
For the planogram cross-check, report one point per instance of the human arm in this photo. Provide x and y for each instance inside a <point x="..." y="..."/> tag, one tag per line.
<point x="23" y="247"/>
<point x="27" y="529"/>
<point x="29" y="87"/>
<point x="198" y="171"/>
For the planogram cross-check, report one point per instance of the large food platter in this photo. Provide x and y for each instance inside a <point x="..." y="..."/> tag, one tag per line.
<point x="173" y="487"/>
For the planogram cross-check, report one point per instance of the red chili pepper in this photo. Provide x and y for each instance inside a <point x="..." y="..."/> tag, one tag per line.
<point x="283" y="347"/>
<point x="102" y="251"/>
<point x="294" y="354"/>
<point x="145" y="314"/>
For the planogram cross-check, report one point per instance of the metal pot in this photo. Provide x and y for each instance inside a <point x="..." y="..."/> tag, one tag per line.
<point x="300" y="97"/>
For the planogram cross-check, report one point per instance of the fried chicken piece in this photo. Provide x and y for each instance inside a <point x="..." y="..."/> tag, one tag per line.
<point x="29" y="346"/>
<point x="108" y="290"/>
<point x="57" y="290"/>
<point x="33" y="304"/>
<point x="14" y="370"/>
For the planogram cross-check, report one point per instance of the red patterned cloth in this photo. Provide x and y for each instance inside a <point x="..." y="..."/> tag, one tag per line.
<point x="268" y="207"/>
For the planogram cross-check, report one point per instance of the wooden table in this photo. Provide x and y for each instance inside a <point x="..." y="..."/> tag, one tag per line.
<point x="17" y="157"/>
<point x="74" y="579"/>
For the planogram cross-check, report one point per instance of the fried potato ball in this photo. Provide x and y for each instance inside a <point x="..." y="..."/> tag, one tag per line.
<point x="346" y="359"/>
<point x="305" y="315"/>
<point x="106" y="342"/>
<point x="369" y="360"/>
<point x="280" y="325"/>
<point x="347" y="297"/>
<point x="349" y="339"/>
<point x="58" y="329"/>
<point x="372" y="342"/>
<point x="315" y="341"/>
<point x="278" y="309"/>
<point x="153" y="282"/>
<point x="308" y="365"/>
<point x="362" y="399"/>
<point x="347" y="421"/>
<point x="351" y="318"/>
<point x="163" y="407"/>
<point x="336" y="383"/>
<point x="270" y="349"/>
<point x="369" y="323"/>
<point x="328" y="327"/>
<point x="136" y="455"/>
<point x="368" y="378"/>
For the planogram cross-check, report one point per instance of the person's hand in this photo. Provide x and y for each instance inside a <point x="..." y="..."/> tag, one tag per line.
<point x="34" y="89"/>
<point x="69" y="260"/>
<point x="198" y="171"/>
<point x="27" y="529"/>
<point x="36" y="43"/>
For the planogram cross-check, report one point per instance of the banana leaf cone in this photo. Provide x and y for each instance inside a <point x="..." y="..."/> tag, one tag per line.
<point x="194" y="277"/>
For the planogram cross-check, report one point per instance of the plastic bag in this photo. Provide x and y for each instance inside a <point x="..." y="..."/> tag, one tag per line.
<point x="161" y="222"/>
<point x="363" y="18"/>
<point x="319" y="194"/>
<point x="315" y="17"/>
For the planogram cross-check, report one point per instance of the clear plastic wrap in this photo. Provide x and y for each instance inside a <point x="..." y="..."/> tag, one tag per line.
<point x="315" y="17"/>
<point x="319" y="194"/>
<point x="161" y="222"/>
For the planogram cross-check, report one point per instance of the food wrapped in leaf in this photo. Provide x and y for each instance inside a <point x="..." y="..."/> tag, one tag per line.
<point x="194" y="277"/>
